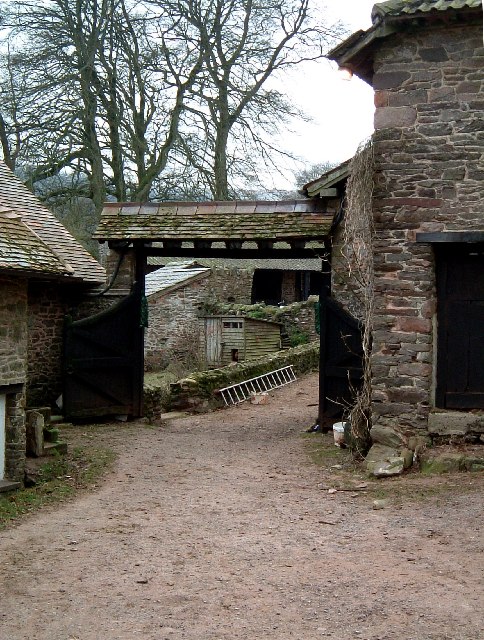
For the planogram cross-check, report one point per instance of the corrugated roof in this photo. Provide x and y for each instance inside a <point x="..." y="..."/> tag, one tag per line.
<point x="238" y="219"/>
<point x="14" y="195"/>
<point x="174" y="275"/>
<point x="402" y="7"/>
<point x="21" y="250"/>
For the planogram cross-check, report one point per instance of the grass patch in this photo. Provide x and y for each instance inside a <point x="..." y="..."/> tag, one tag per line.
<point x="59" y="478"/>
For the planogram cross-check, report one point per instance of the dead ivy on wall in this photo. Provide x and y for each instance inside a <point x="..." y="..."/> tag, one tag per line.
<point x="358" y="235"/>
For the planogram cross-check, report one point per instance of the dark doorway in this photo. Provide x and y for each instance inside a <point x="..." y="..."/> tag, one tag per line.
<point x="267" y="286"/>
<point x="460" y="354"/>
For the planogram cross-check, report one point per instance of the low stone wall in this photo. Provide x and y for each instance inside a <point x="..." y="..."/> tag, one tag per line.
<point x="198" y="392"/>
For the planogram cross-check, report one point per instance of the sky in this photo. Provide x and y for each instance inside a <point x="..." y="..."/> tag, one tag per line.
<point x="341" y="110"/>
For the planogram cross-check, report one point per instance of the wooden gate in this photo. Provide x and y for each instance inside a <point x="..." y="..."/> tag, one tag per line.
<point x="341" y="354"/>
<point x="103" y="362"/>
<point x="460" y="355"/>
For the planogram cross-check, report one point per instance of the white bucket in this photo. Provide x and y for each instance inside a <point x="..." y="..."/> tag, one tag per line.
<point x="339" y="433"/>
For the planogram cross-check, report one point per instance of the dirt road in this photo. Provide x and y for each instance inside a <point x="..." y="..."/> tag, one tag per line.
<point x="220" y="527"/>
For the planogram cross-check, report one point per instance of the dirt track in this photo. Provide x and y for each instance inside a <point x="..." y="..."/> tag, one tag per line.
<point x="219" y="527"/>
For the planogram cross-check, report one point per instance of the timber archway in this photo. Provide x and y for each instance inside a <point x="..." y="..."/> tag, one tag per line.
<point x="292" y="229"/>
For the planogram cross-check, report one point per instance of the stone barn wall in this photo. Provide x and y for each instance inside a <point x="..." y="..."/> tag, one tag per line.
<point x="429" y="144"/>
<point x="173" y="332"/>
<point x="13" y="370"/>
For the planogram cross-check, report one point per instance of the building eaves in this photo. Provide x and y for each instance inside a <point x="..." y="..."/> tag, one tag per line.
<point x="356" y="53"/>
<point x="14" y="195"/>
<point x="335" y="177"/>
<point x="23" y="252"/>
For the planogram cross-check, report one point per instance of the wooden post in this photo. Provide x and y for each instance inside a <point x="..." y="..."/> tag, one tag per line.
<point x="139" y="289"/>
<point x="323" y="295"/>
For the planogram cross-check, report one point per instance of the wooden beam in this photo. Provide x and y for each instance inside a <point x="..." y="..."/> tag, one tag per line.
<point x="268" y="254"/>
<point x="450" y="236"/>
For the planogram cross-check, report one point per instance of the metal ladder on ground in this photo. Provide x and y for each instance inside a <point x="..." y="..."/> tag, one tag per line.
<point x="237" y="393"/>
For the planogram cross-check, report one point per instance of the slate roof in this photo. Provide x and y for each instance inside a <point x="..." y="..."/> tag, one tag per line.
<point x="402" y="7"/>
<point x="279" y="264"/>
<point x="174" y="275"/>
<point x="237" y="219"/>
<point x="15" y="196"/>
<point x="22" y="251"/>
<point x="357" y="51"/>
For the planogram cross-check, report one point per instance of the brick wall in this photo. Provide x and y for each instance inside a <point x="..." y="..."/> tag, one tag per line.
<point x="13" y="370"/>
<point x="429" y="142"/>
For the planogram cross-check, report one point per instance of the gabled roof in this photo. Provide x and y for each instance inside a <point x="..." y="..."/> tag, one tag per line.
<point x="22" y="251"/>
<point x="356" y="52"/>
<point x="15" y="196"/>
<point x="215" y="221"/>
<point x="173" y="276"/>
<point x="335" y="177"/>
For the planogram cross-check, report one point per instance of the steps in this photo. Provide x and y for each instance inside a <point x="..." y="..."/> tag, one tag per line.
<point x="43" y="433"/>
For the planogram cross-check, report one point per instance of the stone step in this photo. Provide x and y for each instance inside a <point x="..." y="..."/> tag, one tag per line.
<point x="54" y="448"/>
<point x="8" y="485"/>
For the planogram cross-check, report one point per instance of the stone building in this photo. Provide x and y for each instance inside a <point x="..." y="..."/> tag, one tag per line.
<point x="425" y="61"/>
<point x="43" y="272"/>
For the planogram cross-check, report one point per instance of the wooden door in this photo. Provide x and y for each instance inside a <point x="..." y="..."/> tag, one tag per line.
<point x="460" y="354"/>
<point x="213" y="341"/>
<point x="341" y="360"/>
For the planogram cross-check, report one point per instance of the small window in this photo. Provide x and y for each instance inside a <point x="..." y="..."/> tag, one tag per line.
<point x="232" y="325"/>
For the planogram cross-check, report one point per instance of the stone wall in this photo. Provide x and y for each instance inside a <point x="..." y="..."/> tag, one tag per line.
<point x="429" y="142"/>
<point x="47" y="309"/>
<point x="13" y="330"/>
<point x="13" y="370"/>
<point x="198" y="392"/>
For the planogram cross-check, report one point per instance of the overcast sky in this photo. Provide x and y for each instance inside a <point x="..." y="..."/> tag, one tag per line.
<point x="342" y="111"/>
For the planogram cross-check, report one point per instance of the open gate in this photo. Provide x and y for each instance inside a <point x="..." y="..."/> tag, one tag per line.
<point x="103" y="362"/>
<point x="341" y="360"/>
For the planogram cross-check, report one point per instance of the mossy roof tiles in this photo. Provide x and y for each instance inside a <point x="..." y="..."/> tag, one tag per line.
<point x="15" y="196"/>
<point x="22" y="251"/>
<point x="214" y="221"/>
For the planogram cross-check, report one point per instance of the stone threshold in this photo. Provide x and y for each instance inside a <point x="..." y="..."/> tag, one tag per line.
<point x="8" y="485"/>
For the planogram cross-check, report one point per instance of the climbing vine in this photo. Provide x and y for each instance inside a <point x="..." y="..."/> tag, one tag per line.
<point x="358" y="236"/>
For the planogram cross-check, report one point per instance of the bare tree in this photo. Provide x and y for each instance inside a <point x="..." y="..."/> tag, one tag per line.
<point x="139" y="100"/>
<point x="234" y="113"/>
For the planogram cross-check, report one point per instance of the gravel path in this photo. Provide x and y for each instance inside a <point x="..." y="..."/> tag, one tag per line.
<point x="220" y="527"/>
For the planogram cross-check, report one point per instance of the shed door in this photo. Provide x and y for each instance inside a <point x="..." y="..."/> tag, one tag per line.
<point x="3" y="401"/>
<point x="213" y="341"/>
<point x="460" y="357"/>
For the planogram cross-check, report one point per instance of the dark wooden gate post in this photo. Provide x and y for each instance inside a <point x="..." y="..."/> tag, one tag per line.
<point x="323" y="295"/>
<point x="139" y="289"/>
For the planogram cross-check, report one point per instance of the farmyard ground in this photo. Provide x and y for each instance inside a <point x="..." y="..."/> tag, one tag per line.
<point x="221" y="526"/>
